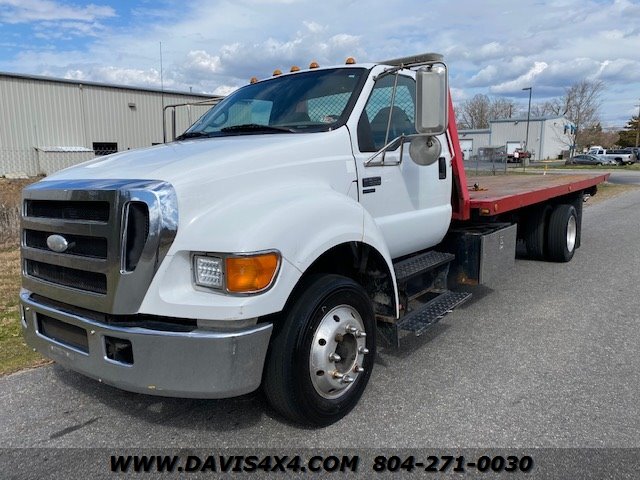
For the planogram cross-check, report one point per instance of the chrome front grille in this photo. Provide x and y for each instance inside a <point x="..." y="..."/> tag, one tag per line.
<point x="68" y="210"/>
<point x="68" y="277"/>
<point x="84" y="246"/>
<point x="112" y="236"/>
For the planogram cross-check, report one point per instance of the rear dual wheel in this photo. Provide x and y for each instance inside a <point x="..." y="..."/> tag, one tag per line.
<point x="535" y="235"/>
<point x="552" y="232"/>
<point x="322" y="354"/>
<point x="562" y="234"/>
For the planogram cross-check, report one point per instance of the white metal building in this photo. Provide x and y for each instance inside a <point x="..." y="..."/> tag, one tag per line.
<point x="548" y="136"/>
<point x="47" y="124"/>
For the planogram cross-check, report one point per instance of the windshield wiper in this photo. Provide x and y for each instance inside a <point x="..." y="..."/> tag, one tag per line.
<point x="197" y="134"/>
<point x="255" y="127"/>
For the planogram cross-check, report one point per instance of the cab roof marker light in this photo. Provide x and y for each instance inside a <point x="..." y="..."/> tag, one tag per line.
<point x="314" y="64"/>
<point x="350" y="61"/>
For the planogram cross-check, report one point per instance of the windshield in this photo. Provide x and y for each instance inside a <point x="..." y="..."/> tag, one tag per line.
<point x="318" y="100"/>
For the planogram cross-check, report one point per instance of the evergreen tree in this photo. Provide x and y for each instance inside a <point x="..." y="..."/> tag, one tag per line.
<point x="629" y="136"/>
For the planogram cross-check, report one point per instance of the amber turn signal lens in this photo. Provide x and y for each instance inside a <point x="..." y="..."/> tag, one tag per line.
<point x="251" y="273"/>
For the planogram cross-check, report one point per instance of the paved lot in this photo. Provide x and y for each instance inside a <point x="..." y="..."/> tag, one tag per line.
<point x="546" y="358"/>
<point x="617" y="176"/>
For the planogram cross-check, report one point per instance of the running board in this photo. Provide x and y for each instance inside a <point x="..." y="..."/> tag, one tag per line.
<point x="411" y="267"/>
<point x="427" y="315"/>
<point x="422" y="318"/>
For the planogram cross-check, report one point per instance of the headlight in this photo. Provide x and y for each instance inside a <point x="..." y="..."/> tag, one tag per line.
<point x="237" y="273"/>
<point x="208" y="271"/>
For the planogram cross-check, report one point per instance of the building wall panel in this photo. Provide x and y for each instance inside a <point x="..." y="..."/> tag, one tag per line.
<point x="37" y="113"/>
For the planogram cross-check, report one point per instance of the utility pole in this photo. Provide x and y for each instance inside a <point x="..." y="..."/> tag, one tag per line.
<point x="526" y="141"/>
<point x="164" y="126"/>
<point x="638" y="127"/>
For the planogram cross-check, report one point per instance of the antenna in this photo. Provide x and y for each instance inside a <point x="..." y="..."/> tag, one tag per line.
<point x="164" y="127"/>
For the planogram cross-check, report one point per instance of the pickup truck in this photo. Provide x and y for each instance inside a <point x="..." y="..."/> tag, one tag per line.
<point x="621" y="156"/>
<point x="303" y="222"/>
<point x="518" y="155"/>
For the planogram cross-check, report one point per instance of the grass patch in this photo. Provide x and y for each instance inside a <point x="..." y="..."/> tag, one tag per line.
<point x="607" y="191"/>
<point x="14" y="353"/>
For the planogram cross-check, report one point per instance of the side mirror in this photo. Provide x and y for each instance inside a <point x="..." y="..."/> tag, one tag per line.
<point x="432" y="99"/>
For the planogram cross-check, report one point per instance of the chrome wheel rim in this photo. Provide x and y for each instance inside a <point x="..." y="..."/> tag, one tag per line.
<point x="337" y="352"/>
<point x="572" y="233"/>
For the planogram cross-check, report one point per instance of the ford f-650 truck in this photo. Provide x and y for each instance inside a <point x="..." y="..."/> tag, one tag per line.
<point x="301" y="222"/>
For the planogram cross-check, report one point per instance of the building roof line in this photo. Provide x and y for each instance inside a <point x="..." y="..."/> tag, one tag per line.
<point x="44" y="78"/>
<point x="475" y="130"/>
<point x="532" y="119"/>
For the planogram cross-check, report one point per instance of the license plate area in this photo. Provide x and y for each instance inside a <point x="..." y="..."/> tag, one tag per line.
<point x="64" y="333"/>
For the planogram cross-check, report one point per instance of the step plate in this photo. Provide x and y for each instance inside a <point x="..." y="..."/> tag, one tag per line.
<point x="430" y="313"/>
<point x="422" y="263"/>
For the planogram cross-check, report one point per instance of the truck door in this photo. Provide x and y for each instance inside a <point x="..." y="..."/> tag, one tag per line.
<point x="410" y="203"/>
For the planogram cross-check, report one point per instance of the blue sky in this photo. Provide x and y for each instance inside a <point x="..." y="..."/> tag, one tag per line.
<point x="493" y="47"/>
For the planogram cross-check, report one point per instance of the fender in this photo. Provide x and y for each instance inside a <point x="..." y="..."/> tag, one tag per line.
<point x="302" y="220"/>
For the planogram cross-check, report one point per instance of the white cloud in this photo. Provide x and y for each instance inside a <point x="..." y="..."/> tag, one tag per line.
<point x="201" y="62"/>
<point x="313" y="27"/>
<point x="224" y="90"/>
<point x="217" y="45"/>
<point x="522" y="81"/>
<point x="121" y="76"/>
<point x="20" y="11"/>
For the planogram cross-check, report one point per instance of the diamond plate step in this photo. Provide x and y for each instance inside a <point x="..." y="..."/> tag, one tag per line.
<point x="431" y="312"/>
<point x="413" y="266"/>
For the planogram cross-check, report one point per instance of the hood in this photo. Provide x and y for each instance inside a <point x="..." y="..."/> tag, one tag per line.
<point x="184" y="162"/>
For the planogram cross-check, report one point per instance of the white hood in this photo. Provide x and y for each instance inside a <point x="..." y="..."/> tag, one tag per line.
<point x="205" y="159"/>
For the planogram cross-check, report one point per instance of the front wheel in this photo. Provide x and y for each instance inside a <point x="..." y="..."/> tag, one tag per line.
<point x="322" y="355"/>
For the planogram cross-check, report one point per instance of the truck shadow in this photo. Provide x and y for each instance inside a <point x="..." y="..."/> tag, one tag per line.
<point x="410" y="343"/>
<point x="223" y="415"/>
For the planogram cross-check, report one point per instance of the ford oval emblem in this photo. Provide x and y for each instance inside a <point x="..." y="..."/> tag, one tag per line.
<point x="57" y="243"/>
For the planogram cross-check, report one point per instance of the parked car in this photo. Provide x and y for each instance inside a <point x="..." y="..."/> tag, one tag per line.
<point x="587" y="159"/>
<point x="622" y="156"/>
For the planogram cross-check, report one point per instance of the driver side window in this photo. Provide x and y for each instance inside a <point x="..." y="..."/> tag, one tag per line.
<point x="372" y="126"/>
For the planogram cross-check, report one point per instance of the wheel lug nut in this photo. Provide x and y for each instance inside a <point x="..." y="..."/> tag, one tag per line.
<point x="358" y="369"/>
<point x="347" y="379"/>
<point x="334" y="357"/>
<point x="360" y="334"/>
<point x="363" y="350"/>
<point x="338" y="375"/>
<point x="351" y="329"/>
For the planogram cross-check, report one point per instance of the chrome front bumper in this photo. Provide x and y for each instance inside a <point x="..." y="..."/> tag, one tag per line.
<point x="195" y="364"/>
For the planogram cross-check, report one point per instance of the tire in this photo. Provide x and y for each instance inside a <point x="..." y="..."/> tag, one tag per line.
<point x="535" y="235"/>
<point x="303" y="380"/>
<point x="562" y="233"/>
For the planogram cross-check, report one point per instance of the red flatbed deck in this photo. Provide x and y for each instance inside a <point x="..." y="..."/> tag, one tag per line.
<point x="503" y="193"/>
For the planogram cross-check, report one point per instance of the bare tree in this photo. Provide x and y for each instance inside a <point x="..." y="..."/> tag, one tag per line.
<point x="545" y="108"/>
<point x="474" y="113"/>
<point x="581" y="105"/>
<point x="596" y="135"/>
<point x="502" y="108"/>
<point x="478" y="111"/>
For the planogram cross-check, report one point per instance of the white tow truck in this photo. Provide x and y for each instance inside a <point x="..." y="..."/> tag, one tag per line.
<point x="300" y="223"/>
